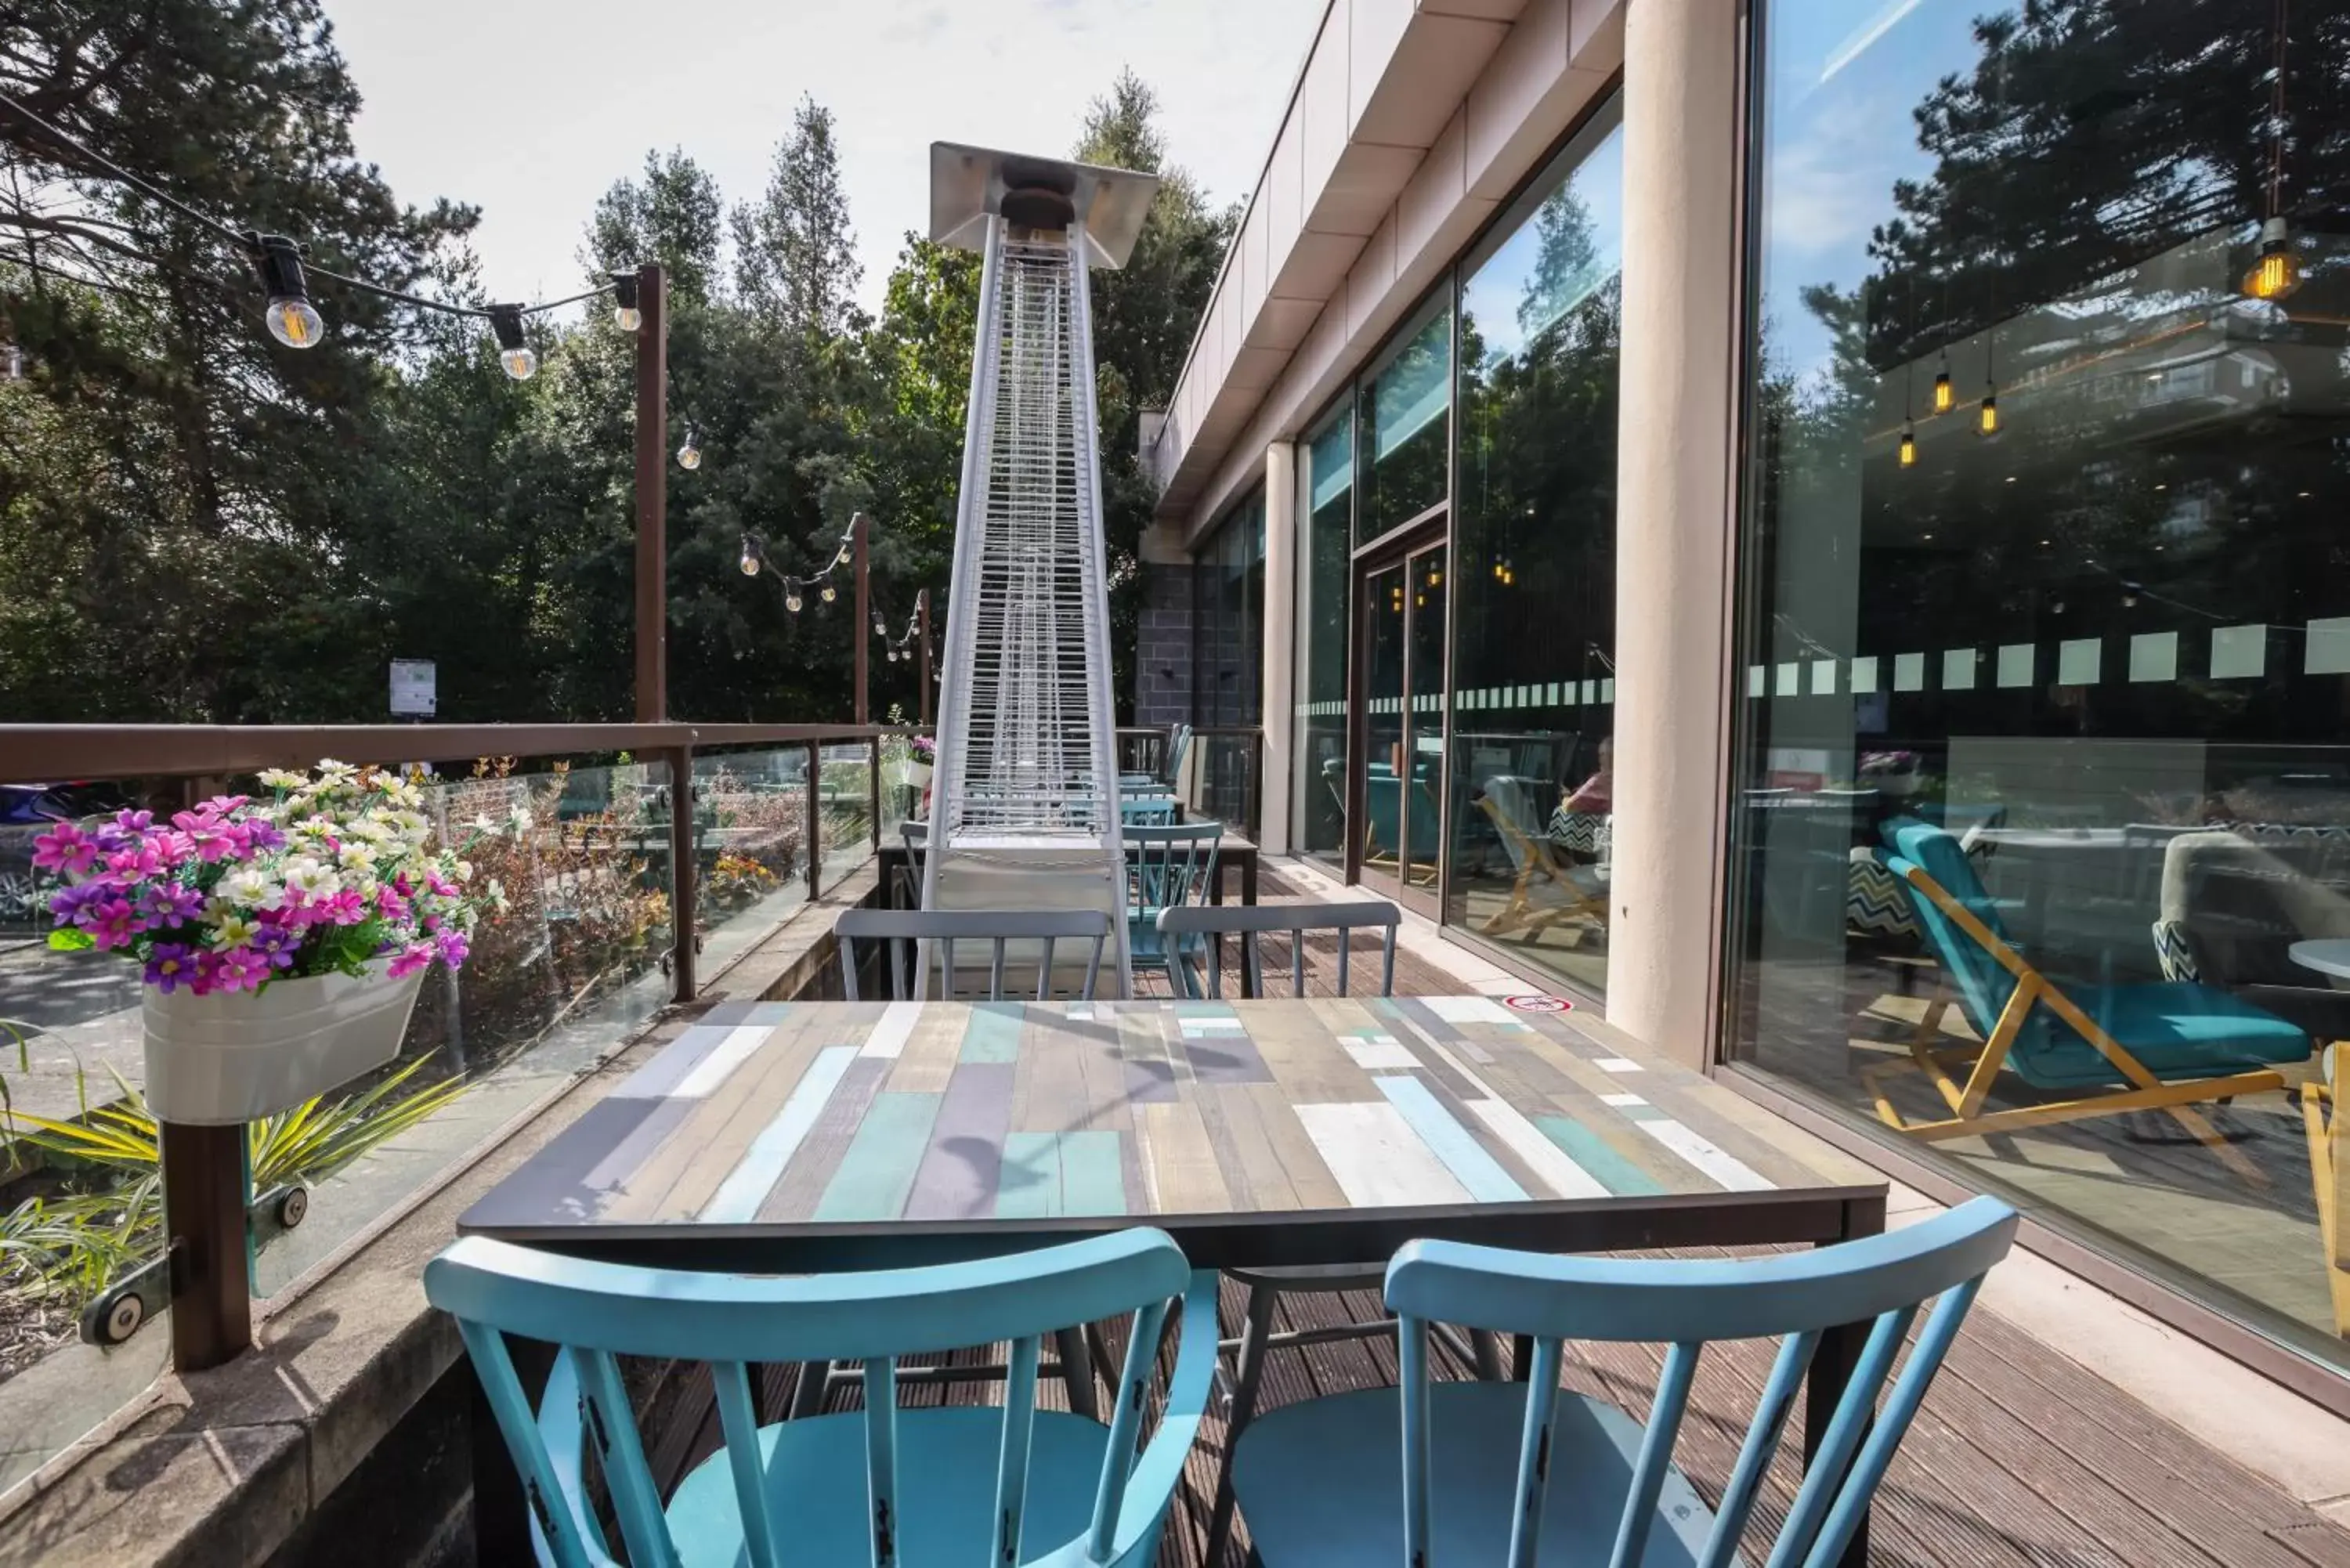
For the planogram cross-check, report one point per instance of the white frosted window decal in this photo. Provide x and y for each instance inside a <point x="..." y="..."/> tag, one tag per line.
<point x="1758" y="681"/>
<point x="1790" y="678"/>
<point x="1863" y="675"/>
<point x="2015" y="664"/>
<point x="1909" y="672"/>
<point x="1958" y="670"/>
<point x="2079" y="662"/>
<point x="2329" y="646"/>
<point x="1824" y="672"/>
<point x="2238" y="652"/>
<point x="2154" y="656"/>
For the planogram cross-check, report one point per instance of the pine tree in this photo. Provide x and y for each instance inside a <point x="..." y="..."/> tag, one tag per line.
<point x="794" y="251"/>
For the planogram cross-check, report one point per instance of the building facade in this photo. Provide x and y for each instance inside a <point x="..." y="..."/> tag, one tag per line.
<point x="1795" y="524"/>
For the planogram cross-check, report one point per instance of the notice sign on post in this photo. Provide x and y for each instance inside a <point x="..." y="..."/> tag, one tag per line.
<point x="413" y="689"/>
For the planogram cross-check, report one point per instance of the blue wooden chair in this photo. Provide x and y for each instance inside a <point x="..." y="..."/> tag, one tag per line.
<point x="944" y="1486"/>
<point x="2098" y="1049"/>
<point x="1166" y="866"/>
<point x="1525" y="1474"/>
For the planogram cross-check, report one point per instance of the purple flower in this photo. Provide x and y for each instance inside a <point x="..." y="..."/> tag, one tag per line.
<point x="453" y="948"/>
<point x="65" y="849"/>
<point x="276" y="943"/>
<point x="134" y="821"/>
<point x="411" y="958"/>
<point x="72" y="905"/>
<point x="169" y="904"/>
<point x="170" y="967"/>
<point x="259" y="834"/>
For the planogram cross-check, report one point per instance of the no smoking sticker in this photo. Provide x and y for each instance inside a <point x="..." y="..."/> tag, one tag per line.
<point x="1538" y="1003"/>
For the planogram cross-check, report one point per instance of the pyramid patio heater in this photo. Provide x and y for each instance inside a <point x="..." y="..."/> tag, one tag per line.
<point x="1023" y="803"/>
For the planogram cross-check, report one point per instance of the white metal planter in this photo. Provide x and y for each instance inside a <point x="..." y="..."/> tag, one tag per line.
<point x="227" y="1058"/>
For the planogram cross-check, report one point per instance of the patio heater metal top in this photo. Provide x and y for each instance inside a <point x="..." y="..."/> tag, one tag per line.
<point x="970" y="184"/>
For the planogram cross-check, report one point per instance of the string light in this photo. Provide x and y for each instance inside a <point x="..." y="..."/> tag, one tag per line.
<point x="689" y="456"/>
<point x="625" y="314"/>
<point x="291" y="318"/>
<point x="750" y="561"/>
<point x="521" y="362"/>
<point x="826" y="592"/>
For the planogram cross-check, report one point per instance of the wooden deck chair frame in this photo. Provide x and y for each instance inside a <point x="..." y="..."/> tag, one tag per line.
<point x="2320" y="1115"/>
<point x="1535" y="861"/>
<point x="1983" y="1064"/>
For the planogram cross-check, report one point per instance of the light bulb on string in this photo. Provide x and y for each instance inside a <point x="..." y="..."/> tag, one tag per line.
<point x="750" y="562"/>
<point x="792" y="596"/>
<point x="1909" y="449"/>
<point x="689" y="456"/>
<point x="1945" y="396"/>
<point x="1987" y="420"/>
<point x="291" y="318"/>
<point x="827" y="593"/>
<point x="513" y="353"/>
<point x="625" y="314"/>
<point x="841" y="559"/>
<point x="2277" y="271"/>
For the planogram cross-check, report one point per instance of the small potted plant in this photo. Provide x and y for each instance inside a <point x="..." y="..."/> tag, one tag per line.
<point x="282" y="939"/>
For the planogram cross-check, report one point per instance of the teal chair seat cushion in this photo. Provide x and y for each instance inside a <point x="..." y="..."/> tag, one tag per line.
<point x="1317" y="1482"/>
<point x="946" y="1501"/>
<point x="2176" y="1028"/>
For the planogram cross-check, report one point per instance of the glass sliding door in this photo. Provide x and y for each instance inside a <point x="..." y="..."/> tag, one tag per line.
<point x="1402" y="782"/>
<point x="1534" y="679"/>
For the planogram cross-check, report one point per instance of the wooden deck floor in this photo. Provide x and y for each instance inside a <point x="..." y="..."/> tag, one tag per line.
<point x="2020" y="1457"/>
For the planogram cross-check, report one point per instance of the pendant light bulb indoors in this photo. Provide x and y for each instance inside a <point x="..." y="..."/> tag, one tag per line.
<point x="1945" y="397"/>
<point x="1909" y="450"/>
<point x="2277" y="272"/>
<point x="1987" y="419"/>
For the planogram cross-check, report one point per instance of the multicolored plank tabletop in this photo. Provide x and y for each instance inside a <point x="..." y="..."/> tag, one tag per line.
<point x="1256" y="1131"/>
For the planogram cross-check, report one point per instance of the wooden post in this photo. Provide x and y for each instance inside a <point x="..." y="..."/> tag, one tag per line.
<point x="859" y="527"/>
<point x="683" y="871"/>
<point x="204" y="1230"/>
<point x="873" y="791"/>
<point x="922" y="624"/>
<point x="652" y="497"/>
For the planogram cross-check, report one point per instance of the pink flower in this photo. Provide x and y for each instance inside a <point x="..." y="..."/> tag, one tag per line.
<point x="345" y="908"/>
<point x="65" y="849"/>
<point x="171" y="847"/>
<point x="113" y="923"/>
<point x="128" y="867"/>
<point x="241" y="968"/>
<point x="411" y="958"/>
<point x="221" y="804"/>
<point x="439" y="886"/>
<point x="208" y="837"/>
<point x="134" y="821"/>
<point x="453" y="948"/>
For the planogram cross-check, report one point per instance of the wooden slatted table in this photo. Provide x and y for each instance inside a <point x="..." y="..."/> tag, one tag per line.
<point x="804" y="1137"/>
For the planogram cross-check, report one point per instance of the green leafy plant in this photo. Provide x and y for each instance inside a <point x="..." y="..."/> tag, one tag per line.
<point x="74" y="1242"/>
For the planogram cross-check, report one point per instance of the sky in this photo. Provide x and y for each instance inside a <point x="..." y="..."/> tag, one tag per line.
<point x="531" y="108"/>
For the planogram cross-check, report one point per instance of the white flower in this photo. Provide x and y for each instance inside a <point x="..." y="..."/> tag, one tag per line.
<point x="495" y="892"/>
<point x="279" y="778"/>
<point x="482" y="823"/>
<point x="518" y="820"/>
<point x="357" y="855"/>
<point x="250" y="886"/>
<point x="463" y="871"/>
<point x="233" y="930"/>
<point x="412" y="825"/>
<point x="367" y="829"/>
<point x="310" y="878"/>
<point x="330" y="769"/>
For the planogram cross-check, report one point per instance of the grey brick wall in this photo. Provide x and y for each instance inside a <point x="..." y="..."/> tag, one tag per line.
<point x="1162" y="661"/>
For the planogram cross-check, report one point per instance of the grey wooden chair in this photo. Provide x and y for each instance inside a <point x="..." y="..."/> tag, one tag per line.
<point x="1195" y="926"/>
<point x="944" y="927"/>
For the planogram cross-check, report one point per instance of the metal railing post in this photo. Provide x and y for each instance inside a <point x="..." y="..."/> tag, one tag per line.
<point x="815" y="820"/>
<point x="682" y="925"/>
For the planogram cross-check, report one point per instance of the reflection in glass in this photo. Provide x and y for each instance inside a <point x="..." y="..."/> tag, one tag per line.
<point x="1383" y="725"/>
<point x="1535" y="550"/>
<point x="1228" y="626"/>
<point x="1327" y="475"/>
<point x="2071" y="656"/>
<point x="1405" y="433"/>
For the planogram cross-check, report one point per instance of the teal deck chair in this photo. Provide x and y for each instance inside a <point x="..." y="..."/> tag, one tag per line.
<point x="2100" y="1049"/>
<point x="943" y="1486"/>
<point x="1167" y="866"/>
<point x="1527" y="1475"/>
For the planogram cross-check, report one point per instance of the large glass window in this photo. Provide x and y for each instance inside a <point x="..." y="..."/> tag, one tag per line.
<point x="1326" y="478"/>
<point x="1533" y="551"/>
<point x="1228" y="618"/>
<point x="2048" y="612"/>
<point x="1405" y="434"/>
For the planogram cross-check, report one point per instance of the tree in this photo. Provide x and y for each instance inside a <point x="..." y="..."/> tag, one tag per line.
<point x="795" y="252"/>
<point x="671" y="215"/>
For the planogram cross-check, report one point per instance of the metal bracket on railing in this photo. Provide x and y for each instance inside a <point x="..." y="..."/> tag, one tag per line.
<point x="125" y="1306"/>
